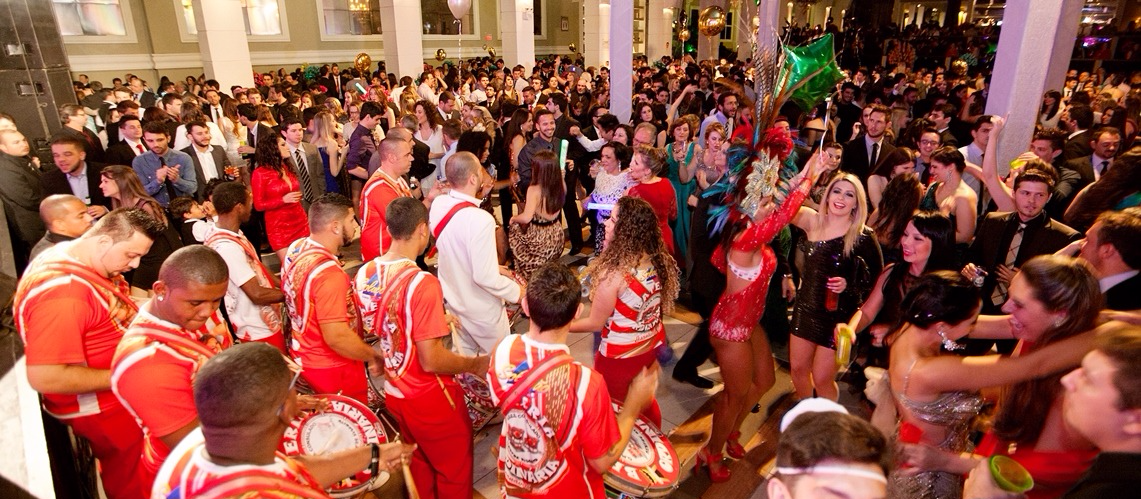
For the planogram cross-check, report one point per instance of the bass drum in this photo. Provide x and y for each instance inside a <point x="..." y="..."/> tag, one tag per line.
<point x="477" y="396"/>
<point x="648" y="466"/>
<point x="346" y="424"/>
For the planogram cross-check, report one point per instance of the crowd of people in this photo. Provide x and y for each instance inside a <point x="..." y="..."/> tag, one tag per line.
<point x="154" y="328"/>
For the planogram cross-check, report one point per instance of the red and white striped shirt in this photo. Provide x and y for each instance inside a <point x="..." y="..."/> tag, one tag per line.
<point x="635" y="326"/>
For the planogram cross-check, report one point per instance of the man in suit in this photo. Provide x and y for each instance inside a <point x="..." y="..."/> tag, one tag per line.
<point x="447" y="107"/>
<point x="139" y="93"/>
<point x="209" y="162"/>
<point x="941" y="115"/>
<point x="848" y="113"/>
<point x="213" y="106"/>
<point x="130" y="144"/>
<point x="74" y="120"/>
<point x="1111" y="248"/>
<point x="1077" y="173"/>
<point x="557" y="105"/>
<point x="75" y="175"/>
<point x="1077" y="120"/>
<point x="973" y="153"/>
<point x="863" y="153"/>
<point x="255" y="130"/>
<point x="21" y="193"/>
<point x="305" y="161"/>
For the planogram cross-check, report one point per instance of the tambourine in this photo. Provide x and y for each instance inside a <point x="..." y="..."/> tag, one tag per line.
<point x="648" y="466"/>
<point x="477" y="396"/>
<point x="346" y="424"/>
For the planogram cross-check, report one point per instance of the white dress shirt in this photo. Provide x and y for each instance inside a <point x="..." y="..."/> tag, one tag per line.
<point x="473" y="288"/>
<point x="206" y="159"/>
<point x="1105" y="283"/>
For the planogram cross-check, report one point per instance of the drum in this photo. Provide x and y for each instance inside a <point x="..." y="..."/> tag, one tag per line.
<point x="346" y="424"/>
<point x="648" y="466"/>
<point x="375" y="383"/>
<point x="477" y="396"/>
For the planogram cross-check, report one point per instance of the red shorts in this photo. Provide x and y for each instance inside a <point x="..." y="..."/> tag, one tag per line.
<point x="618" y="374"/>
<point x="348" y="380"/>
<point x="117" y="442"/>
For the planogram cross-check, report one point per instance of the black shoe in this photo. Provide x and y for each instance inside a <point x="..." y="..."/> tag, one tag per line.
<point x="756" y="408"/>
<point x="575" y="250"/>
<point x="694" y="379"/>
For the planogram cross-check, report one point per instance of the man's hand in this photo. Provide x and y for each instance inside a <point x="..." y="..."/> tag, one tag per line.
<point x="1004" y="274"/>
<point x="575" y="131"/>
<point x="643" y="387"/>
<point x="245" y="150"/>
<point x="482" y="363"/>
<point x="96" y="210"/>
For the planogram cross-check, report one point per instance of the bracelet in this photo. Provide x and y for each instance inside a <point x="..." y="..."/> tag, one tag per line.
<point x="374" y="464"/>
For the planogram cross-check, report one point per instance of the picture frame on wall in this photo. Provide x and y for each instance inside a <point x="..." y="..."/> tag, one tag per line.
<point x="564" y="24"/>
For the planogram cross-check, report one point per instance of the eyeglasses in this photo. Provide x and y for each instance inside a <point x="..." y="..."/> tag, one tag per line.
<point x="928" y="142"/>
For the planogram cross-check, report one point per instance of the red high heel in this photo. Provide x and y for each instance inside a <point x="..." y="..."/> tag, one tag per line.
<point x="733" y="447"/>
<point x="718" y="474"/>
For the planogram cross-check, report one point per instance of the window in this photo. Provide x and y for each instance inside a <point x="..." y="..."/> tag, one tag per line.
<point x="263" y="17"/>
<point x="438" y="19"/>
<point x="350" y="17"/>
<point x="90" y="17"/>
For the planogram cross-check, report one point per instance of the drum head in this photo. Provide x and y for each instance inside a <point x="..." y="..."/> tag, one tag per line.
<point x="648" y="466"/>
<point x="346" y="424"/>
<point x="477" y="396"/>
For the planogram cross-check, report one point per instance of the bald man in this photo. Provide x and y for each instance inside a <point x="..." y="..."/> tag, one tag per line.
<point x="66" y="218"/>
<point x="170" y="339"/>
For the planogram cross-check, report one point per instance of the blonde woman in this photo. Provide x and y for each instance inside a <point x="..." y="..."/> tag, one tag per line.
<point x="329" y="145"/>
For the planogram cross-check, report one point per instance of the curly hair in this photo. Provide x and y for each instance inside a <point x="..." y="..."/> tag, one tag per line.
<point x="431" y="112"/>
<point x="636" y="235"/>
<point x="267" y="155"/>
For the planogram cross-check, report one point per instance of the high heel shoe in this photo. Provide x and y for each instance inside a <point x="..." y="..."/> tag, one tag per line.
<point x="718" y="472"/>
<point x="733" y="447"/>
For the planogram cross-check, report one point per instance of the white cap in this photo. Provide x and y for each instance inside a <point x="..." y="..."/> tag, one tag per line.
<point x="814" y="404"/>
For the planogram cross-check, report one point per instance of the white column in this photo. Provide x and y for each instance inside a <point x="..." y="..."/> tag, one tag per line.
<point x="222" y="42"/>
<point x="517" y="30"/>
<point x="595" y="30"/>
<point x="1025" y="51"/>
<point x="621" y="58"/>
<point x="659" y="30"/>
<point x="1063" y="43"/>
<point x="403" y="30"/>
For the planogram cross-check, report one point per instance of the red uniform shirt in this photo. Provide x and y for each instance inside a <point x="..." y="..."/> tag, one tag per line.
<point x="317" y="291"/>
<point x="414" y="311"/>
<point x="550" y="433"/>
<point x="153" y="372"/>
<point x="69" y="314"/>
<point x="190" y="474"/>
<point x="377" y="193"/>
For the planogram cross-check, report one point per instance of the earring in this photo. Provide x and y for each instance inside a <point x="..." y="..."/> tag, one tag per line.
<point x="1058" y="322"/>
<point x="948" y="343"/>
<point x="161" y="297"/>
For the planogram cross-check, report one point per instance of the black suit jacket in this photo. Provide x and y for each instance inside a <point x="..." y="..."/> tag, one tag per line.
<point x="421" y="168"/>
<point x="315" y="169"/>
<point x="91" y="143"/>
<point x="55" y="182"/>
<point x="221" y="161"/>
<point x="1073" y="176"/>
<point x="1078" y="146"/>
<point x="1042" y="236"/>
<point x="21" y="193"/>
<point x="1126" y="295"/>
<point x="855" y="159"/>
<point x="148" y="99"/>
<point x="120" y="153"/>
<point x="948" y="139"/>
<point x="263" y="131"/>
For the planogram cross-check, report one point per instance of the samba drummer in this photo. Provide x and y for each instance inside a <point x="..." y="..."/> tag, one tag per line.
<point x="322" y="306"/>
<point x="246" y="400"/>
<point x="560" y="434"/>
<point x="411" y="325"/>
<point x="171" y="337"/>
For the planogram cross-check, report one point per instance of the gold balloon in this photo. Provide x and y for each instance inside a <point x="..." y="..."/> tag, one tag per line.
<point x="573" y="48"/>
<point x="441" y="54"/>
<point x="363" y="62"/>
<point x="485" y="47"/>
<point x="683" y="35"/>
<point x="711" y="21"/>
<point x="491" y="52"/>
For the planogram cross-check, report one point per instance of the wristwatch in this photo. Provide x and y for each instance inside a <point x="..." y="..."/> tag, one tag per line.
<point x="374" y="464"/>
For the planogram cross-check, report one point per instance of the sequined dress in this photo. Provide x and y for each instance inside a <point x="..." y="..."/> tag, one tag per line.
<point x="824" y="260"/>
<point x="953" y="411"/>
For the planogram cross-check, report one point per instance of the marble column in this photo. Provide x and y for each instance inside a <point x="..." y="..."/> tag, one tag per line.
<point x="1067" y="30"/>
<point x="517" y="30"/>
<point x="402" y="24"/>
<point x="1027" y="49"/>
<point x="595" y="32"/>
<point x="222" y="42"/>
<point x="621" y="58"/>
<point x="659" y="29"/>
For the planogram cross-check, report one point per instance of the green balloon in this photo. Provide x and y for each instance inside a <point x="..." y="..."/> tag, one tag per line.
<point x="814" y="65"/>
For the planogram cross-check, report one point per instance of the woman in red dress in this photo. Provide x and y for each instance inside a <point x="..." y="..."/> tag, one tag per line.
<point x="278" y="193"/>
<point x="645" y="166"/>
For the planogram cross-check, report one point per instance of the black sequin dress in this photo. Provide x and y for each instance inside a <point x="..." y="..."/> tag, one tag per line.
<point x="823" y="260"/>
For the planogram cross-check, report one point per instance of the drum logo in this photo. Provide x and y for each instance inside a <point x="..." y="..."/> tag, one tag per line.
<point x="531" y="461"/>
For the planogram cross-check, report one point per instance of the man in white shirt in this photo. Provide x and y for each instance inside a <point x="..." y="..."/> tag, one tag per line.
<point x="452" y="130"/>
<point x="973" y="152"/>
<point x="210" y="162"/>
<point x="1111" y="249"/>
<point x="253" y="298"/>
<point x="475" y="287"/>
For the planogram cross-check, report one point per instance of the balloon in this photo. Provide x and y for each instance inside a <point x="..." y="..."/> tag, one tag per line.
<point x="459" y="8"/>
<point x="814" y="67"/>
<point x="711" y="21"/>
<point x="573" y="48"/>
<point x="491" y="52"/>
<point x="683" y="35"/>
<point x="441" y="54"/>
<point x="362" y="62"/>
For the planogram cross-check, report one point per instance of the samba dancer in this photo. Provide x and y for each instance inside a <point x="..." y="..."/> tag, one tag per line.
<point x="559" y="433"/>
<point x="71" y="308"/>
<point x="246" y="401"/>
<point x="173" y="334"/>
<point x="475" y="286"/>
<point x="419" y="390"/>
<point x="322" y="306"/>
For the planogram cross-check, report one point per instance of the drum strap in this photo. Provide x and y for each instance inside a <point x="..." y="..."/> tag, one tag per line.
<point x="533" y="376"/>
<point x="395" y="290"/>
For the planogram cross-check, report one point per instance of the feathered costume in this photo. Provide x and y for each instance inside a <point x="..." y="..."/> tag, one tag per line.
<point x="765" y="168"/>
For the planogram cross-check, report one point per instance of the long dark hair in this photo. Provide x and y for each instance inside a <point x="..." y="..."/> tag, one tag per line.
<point x="895" y="158"/>
<point x="549" y="177"/>
<point x="900" y="200"/>
<point x="515" y="126"/>
<point x="637" y="235"/>
<point x="1051" y="110"/>
<point x="267" y="155"/>
<point x="940" y="296"/>
<point x="431" y="112"/>
<point x="1117" y="183"/>
<point x="1059" y="283"/>
<point x="936" y="227"/>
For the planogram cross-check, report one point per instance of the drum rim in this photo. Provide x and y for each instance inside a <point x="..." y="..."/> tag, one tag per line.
<point x="376" y="419"/>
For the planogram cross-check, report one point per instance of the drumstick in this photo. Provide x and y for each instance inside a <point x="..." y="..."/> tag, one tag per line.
<point x="408" y="483"/>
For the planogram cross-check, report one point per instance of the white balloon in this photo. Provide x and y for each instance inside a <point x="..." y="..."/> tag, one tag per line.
<point x="459" y="8"/>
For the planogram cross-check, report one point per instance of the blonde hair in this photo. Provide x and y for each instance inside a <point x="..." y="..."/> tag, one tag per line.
<point x="859" y="216"/>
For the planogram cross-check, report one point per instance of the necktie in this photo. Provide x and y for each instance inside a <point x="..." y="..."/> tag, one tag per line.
<point x="217" y="115"/>
<point x="875" y="155"/>
<point x="1101" y="168"/>
<point x="303" y="175"/>
<point x="998" y="297"/>
<point x="139" y="147"/>
<point x="170" y="193"/>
